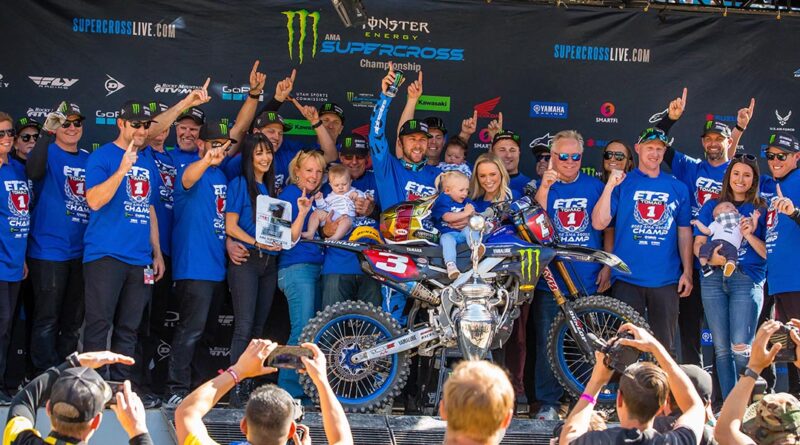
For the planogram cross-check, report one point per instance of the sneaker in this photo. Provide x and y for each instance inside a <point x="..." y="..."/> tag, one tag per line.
<point x="5" y="399"/>
<point x="172" y="400"/>
<point x="150" y="401"/>
<point x="706" y="270"/>
<point x="452" y="271"/>
<point x="521" y="405"/>
<point x="729" y="268"/>
<point x="547" y="413"/>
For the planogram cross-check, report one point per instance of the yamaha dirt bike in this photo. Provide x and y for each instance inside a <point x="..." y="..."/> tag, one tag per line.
<point x="368" y="352"/>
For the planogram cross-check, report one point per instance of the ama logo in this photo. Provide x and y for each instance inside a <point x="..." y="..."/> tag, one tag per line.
<point x="571" y="214"/>
<point x="18" y="198"/>
<point x="138" y="185"/>
<point x="651" y="208"/>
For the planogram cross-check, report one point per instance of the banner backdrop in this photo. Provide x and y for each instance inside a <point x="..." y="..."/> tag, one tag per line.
<point x="605" y="72"/>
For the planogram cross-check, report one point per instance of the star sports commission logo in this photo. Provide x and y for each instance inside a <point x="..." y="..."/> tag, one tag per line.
<point x="601" y="53"/>
<point x="131" y="28"/>
<point x="59" y="83"/>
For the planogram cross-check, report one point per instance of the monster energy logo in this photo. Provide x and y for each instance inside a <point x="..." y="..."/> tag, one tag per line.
<point x="23" y="121"/>
<point x="272" y="116"/>
<point x="136" y="108"/>
<point x="709" y="124"/>
<point x="412" y="124"/>
<point x="772" y="138"/>
<point x="350" y="96"/>
<point x="528" y="256"/>
<point x="153" y="106"/>
<point x="223" y="129"/>
<point x="95" y="146"/>
<point x="63" y="107"/>
<point x="303" y="16"/>
<point x="348" y="142"/>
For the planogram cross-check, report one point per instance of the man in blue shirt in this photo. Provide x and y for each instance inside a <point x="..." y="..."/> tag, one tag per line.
<point x="187" y="129"/>
<point x="505" y="144"/>
<point x="652" y="234"/>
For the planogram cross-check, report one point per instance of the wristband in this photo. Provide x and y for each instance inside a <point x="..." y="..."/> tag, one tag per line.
<point x="750" y="373"/>
<point x="73" y="361"/>
<point x="253" y="95"/>
<point x="317" y="125"/>
<point x="233" y="374"/>
<point x="739" y="128"/>
<point x="588" y="398"/>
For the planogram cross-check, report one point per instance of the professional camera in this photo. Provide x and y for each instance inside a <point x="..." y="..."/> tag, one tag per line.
<point x="788" y="352"/>
<point x="618" y="357"/>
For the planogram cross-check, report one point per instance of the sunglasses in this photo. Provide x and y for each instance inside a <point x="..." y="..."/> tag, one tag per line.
<point x="541" y="158"/>
<point x="352" y="157"/>
<point x="618" y="155"/>
<point x="138" y="125"/>
<point x="744" y="156"/>
<point x="10" y="133"/>
<point x="78" y="123"/>
<point x="28" y="137"/>
<point x="217" y="144"/>
<point x="652" y="134"/>
<point x="780" y="156"/>
<point x="566" y="157"/>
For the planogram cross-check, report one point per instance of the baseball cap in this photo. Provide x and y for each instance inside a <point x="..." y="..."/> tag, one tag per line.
<point x="413" y="126"/>
<point x="775" y="419"/>
<point x="26" y="122"/>
<point x="506" y="134"/>
<point x="69" y="109"/>
<point x="215" y="129"/>
<point x="193" y="113"/>
<point x="435" y="122"/>
<point x="716" y="127"/>
<point x="331" y="108"/>
<point x="701" y="380"/>
<point x="271" y="117"/>
<point x="540" y="149"/>
<point x="78" y="395"/>
<point x="157" y="107"/>
<point x="653" y="134"/>
<point x="135" y="111"/>
<point x="785" y="142"/>
<point x="354" y="144"/>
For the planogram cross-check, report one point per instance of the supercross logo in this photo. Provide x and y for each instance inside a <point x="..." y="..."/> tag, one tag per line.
<point x="138" y="184"/>
<point x="75" y="183"/>
<point x="18" y="198"/>
<point x="651" y="208"/>
<point x="571" y="216"/>
<point x="362" y="100"/>
<point x="707" y="189"/>
<point x="303" y="19"/>
<point x="60" y="83"/>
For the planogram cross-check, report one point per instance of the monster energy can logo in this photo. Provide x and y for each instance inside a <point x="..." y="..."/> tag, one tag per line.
<point x="528" y="256"/>
<point x="302" y="16"/>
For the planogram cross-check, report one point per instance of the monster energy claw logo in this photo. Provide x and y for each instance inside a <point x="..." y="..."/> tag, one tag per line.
<point x="350" y="96"/>
<point x="528" y="256"/>
<point x="223" y="128"/>
<point x="135" y="108"/>
<point x="23" y="121"/>
<point x="302" y="16"/>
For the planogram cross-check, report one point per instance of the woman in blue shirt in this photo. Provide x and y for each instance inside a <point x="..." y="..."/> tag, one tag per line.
<point x="489" y="183"/>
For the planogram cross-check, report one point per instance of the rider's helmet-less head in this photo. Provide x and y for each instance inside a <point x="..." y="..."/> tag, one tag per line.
<point x="410" y="223"/>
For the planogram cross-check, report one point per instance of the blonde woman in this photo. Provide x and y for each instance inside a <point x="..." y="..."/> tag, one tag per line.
<point x="490" y="182"/>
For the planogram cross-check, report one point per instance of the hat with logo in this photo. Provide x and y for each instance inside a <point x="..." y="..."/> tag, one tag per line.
<point x="135" y="111"/>
<point x="157" y="107"/>
<point x="653" y="134"/>
<point x="435" y="123"/>
<point x="775" y="419"/>
<point x="271" y="117"/>
<point x="540" y="149"/>
<point x="26" y="122"/>
<point x="331" y="108"/>
<point x="78" y="395"/>
<point x="716" y="127"/>
<point x="354" y="144"/>
<point x="785" y="142"/>
<point x="215" y="129"/>
<point x="506" y="134"/>
<point x="69" y="109"/>
<point x="701" y="380"/>
<point x="413" y="126"/>
<point x="194" y="114"/>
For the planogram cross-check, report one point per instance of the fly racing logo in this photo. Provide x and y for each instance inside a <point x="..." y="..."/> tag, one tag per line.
<point x="783" y="120"/>
<point x="113" y="85"/>
<point x="303" y="17"/>
<point x="529" y="257"/>
<point x="61" y="83"/>
<point x="225" y="320"/>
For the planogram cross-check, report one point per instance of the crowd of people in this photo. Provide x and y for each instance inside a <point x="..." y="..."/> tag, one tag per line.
<point x="106" y="237"/>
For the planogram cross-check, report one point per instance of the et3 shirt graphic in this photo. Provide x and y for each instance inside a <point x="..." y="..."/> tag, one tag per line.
<point x="14" y="220"/>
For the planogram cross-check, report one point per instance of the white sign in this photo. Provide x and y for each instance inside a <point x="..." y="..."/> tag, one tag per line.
<point x="273" y="221"/>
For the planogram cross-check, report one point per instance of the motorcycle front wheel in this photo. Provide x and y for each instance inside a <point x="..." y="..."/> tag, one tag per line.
<point x="601" y="316"/>
<point x="343" y="330"/>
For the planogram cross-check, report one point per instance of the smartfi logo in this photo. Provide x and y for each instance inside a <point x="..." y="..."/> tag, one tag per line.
<point x="303" y="17"/>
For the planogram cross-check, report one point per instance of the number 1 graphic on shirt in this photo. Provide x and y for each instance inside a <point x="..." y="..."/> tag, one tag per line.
<point x="139" y="188"/>
<point x="22" y="203"/>
<point x="651" y="211"/>
<point x="571" y="219"/>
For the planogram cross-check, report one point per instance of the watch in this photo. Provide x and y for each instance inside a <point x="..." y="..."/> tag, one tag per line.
<point x="73" y="361"/>
<point x="318" y="124"/>
<point x="750" y="373"/>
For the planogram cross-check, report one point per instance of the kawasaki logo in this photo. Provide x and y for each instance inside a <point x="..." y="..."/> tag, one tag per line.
<point x="527" y="258"/>
<point x="434" y="103"/>
<point x="300" y="127"/>
<point x="302" y="19"/>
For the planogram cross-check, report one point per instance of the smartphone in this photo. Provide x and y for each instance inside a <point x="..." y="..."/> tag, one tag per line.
<point x="288" y="357"/>
<point x="115" y="388"/>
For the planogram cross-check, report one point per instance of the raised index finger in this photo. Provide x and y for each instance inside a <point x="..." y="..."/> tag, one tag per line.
<point x="294" y="74"/>
<point x="255" y="67"/>
<point x="752" y="104"/>
<point x="208" y="81"/>
<point x="778" y="188"/>
<point x="130" y="147"/>
<point x="475" y="115"/>
<point x="500" y="120"/>
<point x="391" y="67"/>
<point x="420" y="77"/>
<point x="683" y="97"/>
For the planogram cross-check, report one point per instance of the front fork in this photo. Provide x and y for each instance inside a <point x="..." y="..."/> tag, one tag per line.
<point x="575" y="325"/>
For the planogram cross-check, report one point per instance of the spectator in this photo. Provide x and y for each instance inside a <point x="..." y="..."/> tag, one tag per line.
<point x="702" y="382"/>
<point x="617" y="155"/>
<point x="477" y="404"/>
<point x="541" y="153"/>
<point x="643" y="390"/>
<point x="27" y="133"/>
<point x="732" y="304"/>
<point x="505" y="144"/>
<point x="74" y="396"/>
<point x="187" y="130"/>
<point x="332" y="117"/>
<point x="490" y="182"/>
<point x="270" y="412"/>
<point x="652" y="228"/>
<point x="58" y="169"/>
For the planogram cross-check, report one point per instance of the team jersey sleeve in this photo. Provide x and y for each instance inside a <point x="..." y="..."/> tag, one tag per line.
<point x="15" y="427"/>
<point x="97" y="170"/>
<point x="235" y="199"/>
<point x="203" y="439"/>
<point x="378" y="145"/>
<point x="681" y="164"/>
<point x="684" y="217"/>
<point x="705" y="216"/>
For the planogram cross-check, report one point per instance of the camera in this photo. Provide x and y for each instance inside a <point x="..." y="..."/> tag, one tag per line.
<point x="617" y="356"/>
<point x="788" y="352"/>
<point x="288" y="357"/>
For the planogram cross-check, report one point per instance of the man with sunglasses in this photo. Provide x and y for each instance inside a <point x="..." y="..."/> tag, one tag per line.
<point x="541" y="153"/>
<point x="55" y="248"/>
<point x="652" y="235"/>
<point x="27" y="133"/>
<point x="122" y="255"/>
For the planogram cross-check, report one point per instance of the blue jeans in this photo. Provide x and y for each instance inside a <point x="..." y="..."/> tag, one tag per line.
<point x="545" y="310"/>
<point x="450" y="240"/>
<point x="732" y="306"/>
<point x="302" y="286"/>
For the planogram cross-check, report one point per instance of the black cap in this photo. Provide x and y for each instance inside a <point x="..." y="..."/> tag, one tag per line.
<point x="215" y="129"/>
<point x="701" y="380"/>
<point x="331" y="108"/>
<point x="540" y="149"/>
<point x="194" y="114"/>
<point x="157" y="107"/>
<point x="413" y="126"/>
<point x="78" y="395"/>
<point x="271" y="117"/>
<point x="435" y="123"/>
<point x="785" y="142"/>
<point x="26" y="122"/>
<point x="506" y="134"/>
<point x="69" y="109"/>
<point x="717" y="127"/>
<point x="354" y="144"/>
<point x="136" y="112"/>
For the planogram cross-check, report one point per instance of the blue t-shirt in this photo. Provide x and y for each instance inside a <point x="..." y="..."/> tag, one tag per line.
<point x="648" y="213"/>
<point x="397" y="183"/>
<point x="61" y="213"/>
<point x="340" y="261"/>
<point x="783" y="239"/>
<point x="570" y="206"/>
<point x="703" y="180"/>
<point x="481" y="204"/>
<point x="767" y="188"/>
<point x="445" y="204"/>
<point x="15" y="219"/>
<point x="181" y="159"/>
<point x="165" y="173"/>
<point x="750" y="262"/>
<point x="239" y="203"/>
<point x="198" y="240"/>
<point x="280" y="161"/>
<point x="121" y="228"/>
<point x="302" y="252"/>
<point x="518" y="183"/>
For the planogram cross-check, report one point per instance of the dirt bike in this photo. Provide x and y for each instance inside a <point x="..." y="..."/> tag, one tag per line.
<point x="368" y="352"/>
